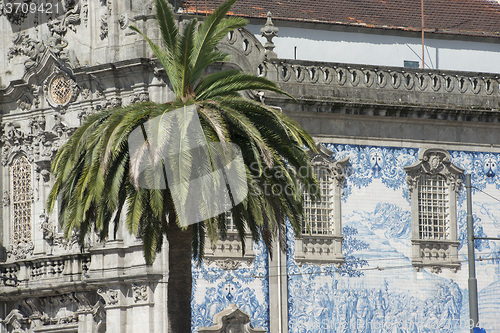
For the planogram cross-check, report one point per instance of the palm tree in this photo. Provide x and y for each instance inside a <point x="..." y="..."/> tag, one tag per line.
<point x="94" y="179"/>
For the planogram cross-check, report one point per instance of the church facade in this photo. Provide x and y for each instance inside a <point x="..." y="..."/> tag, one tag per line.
<point x="385" y="249"/>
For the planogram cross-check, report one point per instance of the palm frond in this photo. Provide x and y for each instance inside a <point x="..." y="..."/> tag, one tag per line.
<point x="166" y="22"/>
<point x="209" y="34"/>
<point x="185" y="53"/>
<point x="230" y="83"/>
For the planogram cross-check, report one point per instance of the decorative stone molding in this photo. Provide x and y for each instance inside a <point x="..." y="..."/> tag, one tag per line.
<point x="325" y="248"/>
<point x="6" y="198"/>
<point x="56" y="44"/>
<point x="60" y="90"/>
<point x="233" y="320"/>
<point x="58" y="312"/>
<point x="139" y="97"/>
<point x="437" y="255"/>
<point x="30" y="100"/>
<point x="72" y="267"/>
<point x="124" y="21"/>
<point x="109" y="296"/>
<point x="16" y="322"/>
<point x="104" y="20"/>
<point x="140" y="293"/>
<point x="27" y="46"/>
<point x="228" y="251"/>
<point x="428" y="250"/>
<point x="319" y="249"/>
<point x="21" y="250"/>
<point x="269" y="32"/>
<point x="83" y="114"/>
<point x="9" y="275"/>
<point x="52" y="237"/>
<point x="229" y="264"/>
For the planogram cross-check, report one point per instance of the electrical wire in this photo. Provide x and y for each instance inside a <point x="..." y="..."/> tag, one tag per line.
<point x="491" y="196"/>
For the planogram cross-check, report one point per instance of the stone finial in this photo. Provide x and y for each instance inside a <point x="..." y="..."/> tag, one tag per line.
<point x="269" y="32"/>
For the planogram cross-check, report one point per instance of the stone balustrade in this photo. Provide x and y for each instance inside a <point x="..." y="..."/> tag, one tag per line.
<point x="34" y="272"/>
<point x="376" y="86"/>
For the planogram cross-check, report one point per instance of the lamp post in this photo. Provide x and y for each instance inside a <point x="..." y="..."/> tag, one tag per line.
<point x="473" y="308"/>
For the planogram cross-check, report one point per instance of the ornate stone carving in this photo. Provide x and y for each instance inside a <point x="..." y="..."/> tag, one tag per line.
<point x="231" y="319"/>
<point x="16" y="322"/>
<point x="140" y="293"/>
<point x="124" y="21"/>
<point x="20" y="250"/>
<point x="115" y="102"/>
<point x="139" y="97"/>
<point x="12" y="134"/>
<point x="110" y="296"/>
<point x="228" y="264"/>
<point x="104" y="20"/>
<point x="24" y="103"/>
<point x="56" y="43"/>
<point x="27" y="46"/>
<point x="6" y="198"/>
<point x="49" y="231"/>
<point x="83" y="114"/>
<point x="85" y="11"/>
<point x="434" y="162"/>
<point x="51" y="235"/>
<point x="60" y="89"/>
<point x="325" y="160"/>
<point x="9" y="275"/>
<point x="37" y="125"/>
<point x="104" y="26"/>
<point x="85" y="92"/>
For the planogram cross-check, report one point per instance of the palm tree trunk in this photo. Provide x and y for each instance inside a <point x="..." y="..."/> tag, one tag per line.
<point x="179" y="278"/>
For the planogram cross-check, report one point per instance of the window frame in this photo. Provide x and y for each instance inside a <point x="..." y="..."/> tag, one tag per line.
<point x="434" y="253"/>
<point x="325" y="248"/>
<point x="12" y="177"/>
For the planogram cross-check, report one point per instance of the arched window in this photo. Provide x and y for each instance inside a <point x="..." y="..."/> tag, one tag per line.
<point x="21" y="199"/>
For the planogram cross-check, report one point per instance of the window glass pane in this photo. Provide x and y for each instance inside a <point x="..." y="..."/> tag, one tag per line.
<point x="21" y="199"/>
<point x="319" y="214"/>
<point x="433" y="206"/>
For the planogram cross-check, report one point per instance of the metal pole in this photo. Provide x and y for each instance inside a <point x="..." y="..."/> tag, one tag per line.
<point x="473" y="308"/>
<point x="422" y="13"/>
